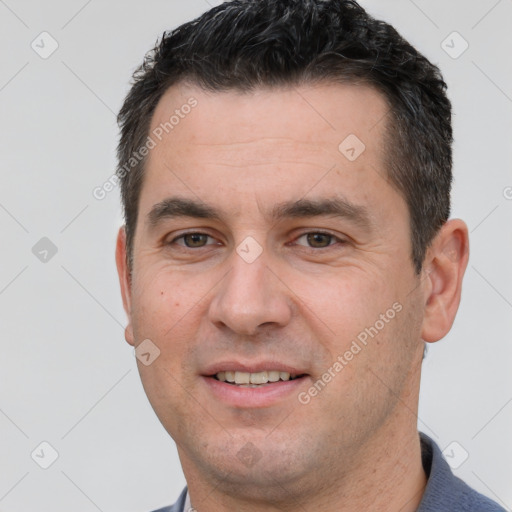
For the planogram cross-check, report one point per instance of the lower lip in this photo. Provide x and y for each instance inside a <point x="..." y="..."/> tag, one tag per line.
<point x="246" y="397"/>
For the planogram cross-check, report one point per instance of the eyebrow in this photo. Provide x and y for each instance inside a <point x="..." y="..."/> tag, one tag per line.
<point x="334" y="207"/>
<point x="178" y="207"/>
<point x="174" y="207"/>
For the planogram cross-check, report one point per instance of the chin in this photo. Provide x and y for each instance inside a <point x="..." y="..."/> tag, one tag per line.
<point x="258" y="466"/>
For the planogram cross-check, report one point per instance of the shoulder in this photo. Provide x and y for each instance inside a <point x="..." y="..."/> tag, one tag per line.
<point x="445" y="492"/>
<point x="467" y="499"/>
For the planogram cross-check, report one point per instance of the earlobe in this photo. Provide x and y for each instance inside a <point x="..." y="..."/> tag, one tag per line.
<point x="124" y="281"/>
<point x="446" y="263"/>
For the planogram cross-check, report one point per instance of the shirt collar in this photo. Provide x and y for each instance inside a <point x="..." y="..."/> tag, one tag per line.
<point x="188" y="507"/>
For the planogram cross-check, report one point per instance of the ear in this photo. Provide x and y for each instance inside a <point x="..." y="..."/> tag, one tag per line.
<point x="445" y="264"/>
<point x="125" y="282"/>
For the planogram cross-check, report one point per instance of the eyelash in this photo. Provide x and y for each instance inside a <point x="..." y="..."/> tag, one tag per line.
<point x="182" y="236"/>
<point x="334" y="239"/>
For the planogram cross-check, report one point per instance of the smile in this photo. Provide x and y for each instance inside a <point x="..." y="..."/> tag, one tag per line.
<point x="246" y="379"/>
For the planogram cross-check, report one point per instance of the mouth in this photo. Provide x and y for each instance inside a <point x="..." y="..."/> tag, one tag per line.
<point x="259" y="386"/>
<point x="256" y="379"/>
<point x="254" y="384"/>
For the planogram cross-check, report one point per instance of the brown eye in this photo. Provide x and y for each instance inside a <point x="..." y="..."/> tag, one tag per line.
<point x="194" y="240"/>
<point x="319" y="240"/>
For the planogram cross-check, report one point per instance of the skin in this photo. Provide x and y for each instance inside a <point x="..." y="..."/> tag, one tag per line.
<point x="355" y="445"/>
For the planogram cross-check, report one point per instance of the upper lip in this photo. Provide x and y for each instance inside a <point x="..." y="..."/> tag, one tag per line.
<point x="251" y="367"/>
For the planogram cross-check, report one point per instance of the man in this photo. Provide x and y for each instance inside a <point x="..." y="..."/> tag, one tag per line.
<point x="285" y="169"/>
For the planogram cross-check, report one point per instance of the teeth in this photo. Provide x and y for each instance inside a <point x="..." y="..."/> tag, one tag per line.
<point x="245" y="378"/>
<point x="242" y="378"/>
<point x="273" y="376"/>
<point x="259" y="378"/>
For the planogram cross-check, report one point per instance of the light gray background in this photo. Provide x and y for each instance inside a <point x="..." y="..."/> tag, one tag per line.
<point x="67" y="376"/>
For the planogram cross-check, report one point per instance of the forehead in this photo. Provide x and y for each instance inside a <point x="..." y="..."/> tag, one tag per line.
<point x="322" y="114"/>
<point x="265" y="144"/>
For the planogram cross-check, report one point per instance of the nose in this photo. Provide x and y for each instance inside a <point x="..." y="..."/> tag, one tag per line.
<point x="251" y="296"/>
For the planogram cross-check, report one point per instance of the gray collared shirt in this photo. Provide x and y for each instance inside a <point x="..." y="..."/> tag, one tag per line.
<point x="444" y="491"/>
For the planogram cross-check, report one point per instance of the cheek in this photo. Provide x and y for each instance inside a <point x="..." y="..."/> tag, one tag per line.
<point x="165" y="314"/>
<point x="160" y="301"/>
<point x="347" y="301"/>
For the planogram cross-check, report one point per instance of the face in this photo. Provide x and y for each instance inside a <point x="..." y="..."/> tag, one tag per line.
<point x="270" y="245"/>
